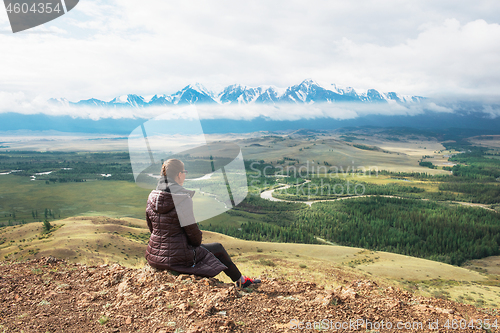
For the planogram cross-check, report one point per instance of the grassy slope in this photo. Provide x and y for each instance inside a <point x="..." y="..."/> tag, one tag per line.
<point x="97" y="240"/>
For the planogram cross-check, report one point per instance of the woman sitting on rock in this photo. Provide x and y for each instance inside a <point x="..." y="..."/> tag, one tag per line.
<point x="175" y="242"/>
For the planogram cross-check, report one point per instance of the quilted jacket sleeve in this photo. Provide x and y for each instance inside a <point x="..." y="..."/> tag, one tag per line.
<point x="148" y="221"/>
<point x="194" y="234"/>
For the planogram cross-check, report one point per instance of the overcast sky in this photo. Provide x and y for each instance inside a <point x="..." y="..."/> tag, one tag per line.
<point x="103" y="49"/>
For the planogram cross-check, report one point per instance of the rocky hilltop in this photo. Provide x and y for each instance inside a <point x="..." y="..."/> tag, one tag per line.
<point x="51" y="295"/>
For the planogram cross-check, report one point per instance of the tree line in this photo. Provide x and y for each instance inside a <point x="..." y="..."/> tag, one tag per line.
<point x="410" y="227"/>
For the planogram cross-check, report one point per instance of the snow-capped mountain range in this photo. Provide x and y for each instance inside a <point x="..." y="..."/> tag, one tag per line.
<point x="307" y="92"/>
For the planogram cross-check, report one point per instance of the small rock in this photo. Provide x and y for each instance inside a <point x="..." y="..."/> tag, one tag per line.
<point x="142" y="277"/>
<point x="326" y="299"/>
<point x="210" y="310"/>
<point x="348" y="294"/>
<point x="184" y="306"/>
<point x="395" y="304"/>
<point x="123" y="287"/>
<point x="50" y="260"/>
<point x="194" y="329"/>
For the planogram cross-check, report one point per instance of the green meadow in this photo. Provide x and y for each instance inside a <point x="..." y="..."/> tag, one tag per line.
<point x="23" y="197"/>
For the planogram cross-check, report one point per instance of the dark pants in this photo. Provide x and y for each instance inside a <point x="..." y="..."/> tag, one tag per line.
<point x="218" y="250"/>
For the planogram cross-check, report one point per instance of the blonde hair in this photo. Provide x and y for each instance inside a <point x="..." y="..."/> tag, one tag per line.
<point x="171" y="168"/>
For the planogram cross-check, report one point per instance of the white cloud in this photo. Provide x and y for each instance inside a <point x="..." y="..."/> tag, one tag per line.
<point x="492" y="110"/>
<point x="19" y="103"/>
<point x="103" y="49"/>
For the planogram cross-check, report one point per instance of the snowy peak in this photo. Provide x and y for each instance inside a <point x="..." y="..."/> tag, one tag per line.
<point x="198" y="87"/>
<point x="59" y="101"/>
<point x="403" y="98"/>
<point x="193" y="94"/>
<point x="311" y="92"/>
<point x="239" y="94"/>
<point x="128" y="100"/>
<point x="306" y="92"/>
<point x="308" y="85"/>
<point x="271" y="95"/>
<point x="91" y="102"/>
<point x="160" y="100"/>
<point x="373" y="96"/>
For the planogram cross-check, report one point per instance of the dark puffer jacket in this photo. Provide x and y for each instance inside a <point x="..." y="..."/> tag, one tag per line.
<point x="174" y="247"/>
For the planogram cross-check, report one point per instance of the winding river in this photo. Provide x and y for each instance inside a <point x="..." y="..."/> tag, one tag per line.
<point x="268" y="195"/>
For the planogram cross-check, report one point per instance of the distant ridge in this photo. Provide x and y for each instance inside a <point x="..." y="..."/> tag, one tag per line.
<point x="307" y="92"/>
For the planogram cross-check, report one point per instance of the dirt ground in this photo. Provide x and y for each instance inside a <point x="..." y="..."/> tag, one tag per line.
<point x="50" y="295"/>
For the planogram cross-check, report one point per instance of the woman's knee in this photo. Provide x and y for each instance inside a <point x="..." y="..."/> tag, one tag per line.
<point x="218" y="247"/>
<point x="214" y="247"/>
